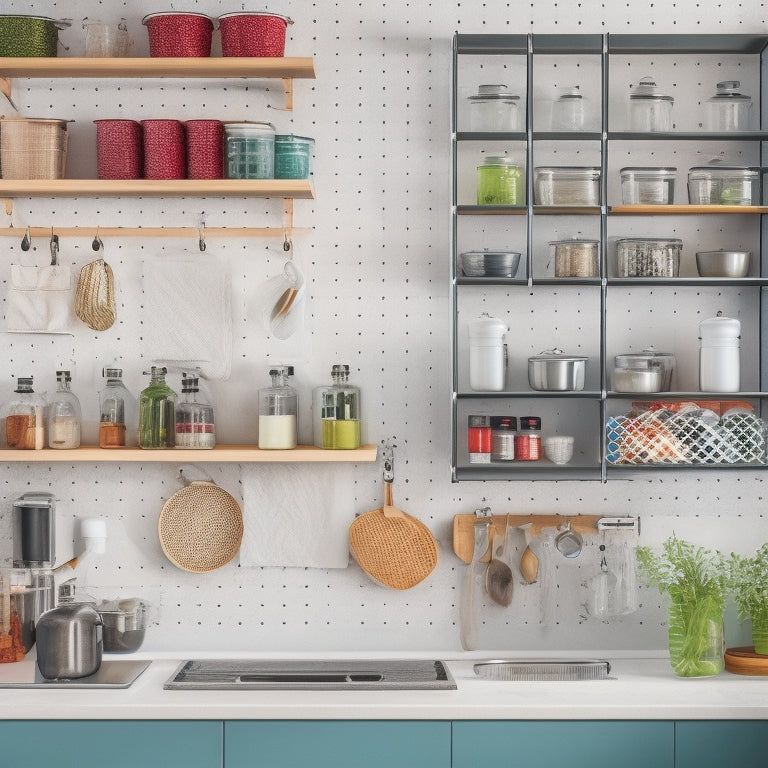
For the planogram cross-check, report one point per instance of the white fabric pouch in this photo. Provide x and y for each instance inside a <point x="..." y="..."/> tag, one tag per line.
<point x="39" y="299"/>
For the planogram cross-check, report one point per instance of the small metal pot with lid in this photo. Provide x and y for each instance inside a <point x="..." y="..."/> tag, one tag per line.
<point x="554" y="371"/>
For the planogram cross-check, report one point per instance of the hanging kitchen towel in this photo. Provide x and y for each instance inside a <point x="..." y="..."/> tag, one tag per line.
<point x="296" y="515"/>
<point x="188" y="314"/>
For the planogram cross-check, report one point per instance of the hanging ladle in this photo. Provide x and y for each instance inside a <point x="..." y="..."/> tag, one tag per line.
<point x="498" y="575"/>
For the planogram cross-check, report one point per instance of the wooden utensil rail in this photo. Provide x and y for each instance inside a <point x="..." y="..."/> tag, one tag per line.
<point x="464" y="527"/>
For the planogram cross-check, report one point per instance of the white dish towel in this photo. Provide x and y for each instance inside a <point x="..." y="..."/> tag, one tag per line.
<point x="297" y="515"/>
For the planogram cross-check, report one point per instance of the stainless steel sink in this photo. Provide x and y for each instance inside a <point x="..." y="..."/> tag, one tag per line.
<point x="325" y="675"/>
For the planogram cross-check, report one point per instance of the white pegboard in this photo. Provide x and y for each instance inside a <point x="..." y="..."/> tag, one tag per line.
<point x="376" y="265"/>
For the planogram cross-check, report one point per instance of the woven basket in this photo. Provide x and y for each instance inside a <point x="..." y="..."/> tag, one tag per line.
<point x="33" y="148"/>
<point x="119" y="148"/>
<point x="200" y="527"/>
<point x="205" y="149"/>
<point x="165" y="152"/>
<point x="179" y="34"/>
<point x="95" y="296"/>
<point x="396" y="550"/>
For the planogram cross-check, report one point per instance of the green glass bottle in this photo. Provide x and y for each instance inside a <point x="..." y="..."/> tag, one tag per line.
<point x="336" y="418"/>
<point x="157" y="406"/>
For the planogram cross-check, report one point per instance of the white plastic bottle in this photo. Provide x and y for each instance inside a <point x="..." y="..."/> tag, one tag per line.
<point x="487" y="368"/>
<point x="719" y="359"/>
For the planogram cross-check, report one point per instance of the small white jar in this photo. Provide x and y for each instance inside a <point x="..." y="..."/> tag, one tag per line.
<point x="719" y="359"/>
<point x="487" y="366"/>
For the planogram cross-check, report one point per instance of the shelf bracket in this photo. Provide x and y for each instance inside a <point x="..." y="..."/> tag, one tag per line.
<point x="288" y="218"/>
<point x="8" y="205"/>
<point x="5" y="87"/>
<point x="288" y="87"/>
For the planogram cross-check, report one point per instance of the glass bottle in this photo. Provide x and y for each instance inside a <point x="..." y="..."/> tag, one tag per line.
<point x="528" y="439"/>
<point x="336" y="422"/>
<point x="157" y="405"/>
<point x="278" y="411"/>
<point x="115" y="406"/>
<point x="499" y="182"/>
<point x="64" y="415"/>
<point x="194" y="417"/>
<point x="503" y="429"/>
<point x="25" y="418"/>
<point x="479" y="439"/>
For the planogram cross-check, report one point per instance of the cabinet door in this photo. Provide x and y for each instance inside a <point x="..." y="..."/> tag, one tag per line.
<point x="577" y="744"/>
<point x="706" y="744"/>
<point x="113" y="743"/>
<point x="337" y="744"/>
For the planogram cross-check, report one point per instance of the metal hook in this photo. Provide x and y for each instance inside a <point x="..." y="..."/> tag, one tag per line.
<point x="26" y="241"/>
<point x="97" y="245"/>
<point x="201" y="237"/>
<point x="54" y="248"/>
<point x="388" y="455"/>
<point x="287" y="244"/>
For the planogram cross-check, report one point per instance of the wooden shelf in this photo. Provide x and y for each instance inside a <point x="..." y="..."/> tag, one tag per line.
<point x="236" y="454"/>
<point x="656" y="210"/>
<point x="225" y="67"/>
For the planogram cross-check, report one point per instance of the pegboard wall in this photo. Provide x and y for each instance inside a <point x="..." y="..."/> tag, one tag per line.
<point x="374" y="247"/>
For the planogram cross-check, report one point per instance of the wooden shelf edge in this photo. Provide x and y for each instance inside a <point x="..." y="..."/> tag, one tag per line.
<point x="236" y="454"/>
<point x="681" y="209"/>
<point x="225" y="66"/>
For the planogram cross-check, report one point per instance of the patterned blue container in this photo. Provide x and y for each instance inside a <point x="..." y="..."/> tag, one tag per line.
<point x="292" y="156"/>
<point x="250" y="150"/>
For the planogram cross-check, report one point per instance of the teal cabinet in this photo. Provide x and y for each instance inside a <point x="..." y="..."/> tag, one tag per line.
<point x="721" y="744"/>
<point x="573" y="743"/>
<point x="337" y="744"/>
<point x="111" y="743"/>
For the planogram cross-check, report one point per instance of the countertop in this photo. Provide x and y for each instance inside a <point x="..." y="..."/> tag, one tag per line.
<point x="644" y="688"/>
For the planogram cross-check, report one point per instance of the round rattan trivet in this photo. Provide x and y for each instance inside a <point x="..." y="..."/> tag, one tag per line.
<point x="200" y="527"/>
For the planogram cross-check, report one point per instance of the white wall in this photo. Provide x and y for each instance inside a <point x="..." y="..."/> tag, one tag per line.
<point x="376" y="259"/>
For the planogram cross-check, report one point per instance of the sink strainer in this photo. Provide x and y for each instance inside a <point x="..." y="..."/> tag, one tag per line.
<point x="498" y="669"/>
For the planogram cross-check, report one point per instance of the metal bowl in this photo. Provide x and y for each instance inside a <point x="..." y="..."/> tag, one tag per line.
<point x="490" y="263"/>
<point x="723" y="263"/>
<point x="124" y="625"/>
<point x="554" y="371"/>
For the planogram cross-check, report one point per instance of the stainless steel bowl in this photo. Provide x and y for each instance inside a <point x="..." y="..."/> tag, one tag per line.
<point x="723" y="263"/>
<point x="490" y="263"/>
<point x="124" y="626"/>
<point x="554" y="371"/>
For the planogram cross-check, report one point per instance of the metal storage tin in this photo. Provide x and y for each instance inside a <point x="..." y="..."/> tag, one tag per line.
<point x="554" y="371"/>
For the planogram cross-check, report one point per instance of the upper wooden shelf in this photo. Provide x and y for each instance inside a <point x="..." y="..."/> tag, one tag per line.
<point x="224" y="66"/>
<point x="236" y="454"/>
<point x="293" y="188"/>
<point x="677" y="209"/>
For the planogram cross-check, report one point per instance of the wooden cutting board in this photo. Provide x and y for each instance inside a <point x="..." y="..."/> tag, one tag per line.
<point x="744" y="661"/>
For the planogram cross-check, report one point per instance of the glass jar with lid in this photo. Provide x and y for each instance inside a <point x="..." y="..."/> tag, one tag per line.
<point x="568" y="112"/>
<point x="728" y="110"/>
<point x="494" y="109"/>
<point x="650" y="110"/>
<point x="336" y="412"/>
<point x="194" y="426"/>
<point x="64" y="415"/>
<point x="716" y="184"/>
<point x="25" y="418"/>
<point x="567" y="185"/>
<point x="250" y="150"/>
<point x="500" y="181"/>
<point x="576" y="257"/>
<point x="157" y="412"/>
<point x="278" y="411"/>
<point x="117" y="408"/>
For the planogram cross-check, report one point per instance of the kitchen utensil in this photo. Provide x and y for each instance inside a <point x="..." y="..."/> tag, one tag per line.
<point x="648" y="186"/>
<point x="69" y="641"/>
<point x="648" y="257"/>
<point x="568" y="542"/>
<point x="470" y="602"/>
<point x="553" y="370"/>
<point x="722" y="263"/>
<point x="498" y="575"/>
<point x="33" y="148"/>
<point x="250" y="150"/>
<point x="574" y="185"/>
<point x="124" y="623"/>
<point x="559" y="448"/>
<point x="649" y="109"/>
<point x="494" y="108"/>
<point x="529" y="562"/>
<point x="95" y="293"/>
<point x="280" y="300"/>
<point x="200" y="527"/>
<point x="393" y="548"/>
<point x="103" y="39"/>
<point x="293" y="156"/>
<point x="490" y="263"/>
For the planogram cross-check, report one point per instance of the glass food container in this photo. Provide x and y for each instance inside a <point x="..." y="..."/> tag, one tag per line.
<point x="649" y="109"/>
<point x="724" y="185"/>
<point x="648" y="186"/>
<point x="499" y="182"/>
<point x="336" y="418"/>
<point x="503" y="431"/>
<point x="157" y="412"/>
<point x="25" y="418"/>
<point x="293" y="156"/>
<point x="648" y="257"/>
<point x="646" y="371"/>
<point x="494" y="109"/>
<point x="728" y="110"/>
<point x="64" y="415"/>
<point x="575" y="185"/>
<point x="114" y="400"/>
<point x="568" y="110"/>
<point x="250" y="150"/>
<point x="576" y="258"/>
<point x="278" y="411"/>
<point x="194" y="426"/>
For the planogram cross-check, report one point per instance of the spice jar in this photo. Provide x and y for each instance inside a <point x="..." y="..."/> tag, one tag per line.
<point x="115" y="399"/>
<point x="157" y="412"/>
<point x="503" y="429"/>
<point x="336" y="417"/>
<point x="499" y="182"/>
<point x="64" y="415"/>
<point x="479" y="439"/>
<point x="528" y="439"/>
<point x="194" y="418"/>
<point x="649" y="109"/>
<point x="278" y="411"/>
<point x="25" y="419"/>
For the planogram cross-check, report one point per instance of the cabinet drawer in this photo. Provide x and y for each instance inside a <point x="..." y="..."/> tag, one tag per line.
<point x="701" y="744"/>
<point x="335" y="744"/>
<point x="113" y="743"/>
<point x="577" y="744"/>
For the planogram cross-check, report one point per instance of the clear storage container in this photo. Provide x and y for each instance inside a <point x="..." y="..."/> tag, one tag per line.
<point x="293" y="156"/>
<point x="64" y="415"/>
<point x="646" y="371"/>
<point x="194" y="417"/>
<point x="576" y="258"/>
<point x="250" y="150"/>
<point x="648" y="257"/>
<point x="728" y="110"/>
<point x="575" y="185"/>
<point x="724" y="185"/>
<point x="500" y="182"/>
<point x="278" y="411"/>
<point x="648" y="186"/>
<point x="650" y="110"/>
<point x="494" y="109"/>
<point x="25" y="418"/>
<point x="568" y="110"/>
<point x="157" y="412"/>
<point x="336" y="412"/>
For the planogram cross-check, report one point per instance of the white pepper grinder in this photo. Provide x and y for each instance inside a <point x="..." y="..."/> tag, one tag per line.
<point x="719" y="362"/>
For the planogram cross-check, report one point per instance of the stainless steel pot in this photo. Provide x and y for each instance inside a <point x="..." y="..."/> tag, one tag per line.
<point x="554" y="371"/>
<point x="69" y="641"/>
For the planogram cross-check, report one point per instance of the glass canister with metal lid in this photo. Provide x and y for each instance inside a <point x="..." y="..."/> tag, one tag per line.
<point x="728" y="110"/>
<point x="500" y="181"/>
<point x="650" y="110"/>
<point x="568" y="112"/>
<point x="494" y="109"/>
<point x="278" y="411"/>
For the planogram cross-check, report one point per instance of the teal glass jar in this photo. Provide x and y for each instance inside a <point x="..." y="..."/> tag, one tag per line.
<point x="499" y="182"/>
<point x="250" y="150"/>
<point x="292" y="156"/>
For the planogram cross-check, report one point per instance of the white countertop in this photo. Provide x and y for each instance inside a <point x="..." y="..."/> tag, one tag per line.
<point x="643" y="689"/>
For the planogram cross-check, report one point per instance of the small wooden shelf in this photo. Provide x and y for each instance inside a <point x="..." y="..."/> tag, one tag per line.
<point x="655" y="210"/>
<point x="236" y="454"/>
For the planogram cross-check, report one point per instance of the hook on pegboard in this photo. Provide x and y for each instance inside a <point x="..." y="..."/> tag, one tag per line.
<point x="388" y="454"/>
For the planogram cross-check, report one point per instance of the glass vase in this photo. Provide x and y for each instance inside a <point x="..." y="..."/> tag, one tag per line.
<point x="696" y="641"/>
<point x="760" y="631"/>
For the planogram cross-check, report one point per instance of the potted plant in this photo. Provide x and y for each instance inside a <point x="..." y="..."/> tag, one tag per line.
<point x="696" y="580"/>
<point x="749" y="582"/>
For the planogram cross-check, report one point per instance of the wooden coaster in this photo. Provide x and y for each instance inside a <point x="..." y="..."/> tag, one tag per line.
<point x="744" y="661"/>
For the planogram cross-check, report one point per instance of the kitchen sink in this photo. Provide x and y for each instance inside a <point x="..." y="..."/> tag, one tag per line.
<point x="321" y="675"/>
